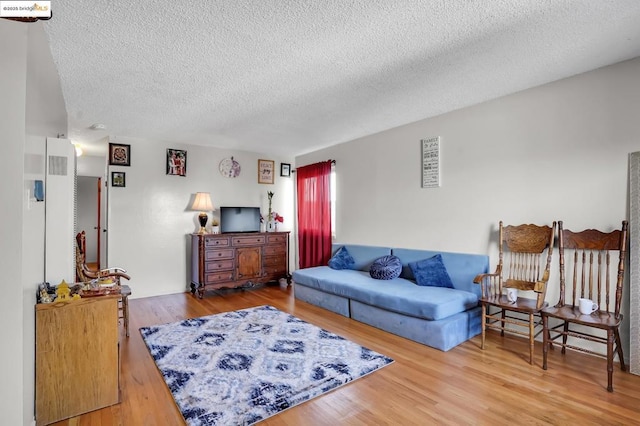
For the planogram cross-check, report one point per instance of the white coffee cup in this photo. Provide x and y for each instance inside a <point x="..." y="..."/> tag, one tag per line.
<point x="587" y="306"/>
<point x="512" y="294"/>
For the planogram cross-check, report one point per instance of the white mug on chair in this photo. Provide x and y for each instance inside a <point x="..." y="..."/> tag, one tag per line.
<point x="587" y="306"/>
<point x="512" y="295"/>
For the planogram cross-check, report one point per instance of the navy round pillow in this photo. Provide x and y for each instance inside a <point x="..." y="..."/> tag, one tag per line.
<point x="386" y="268"/>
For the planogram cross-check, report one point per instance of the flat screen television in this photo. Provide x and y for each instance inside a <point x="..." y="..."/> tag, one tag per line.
<point x="239" y="219"/>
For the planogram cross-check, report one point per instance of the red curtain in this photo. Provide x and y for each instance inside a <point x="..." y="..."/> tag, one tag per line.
<point x="314" y="214"/>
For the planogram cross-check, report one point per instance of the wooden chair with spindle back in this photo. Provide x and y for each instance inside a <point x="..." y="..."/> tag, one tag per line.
<point x="589" y="257"/>
<point x="85" y="274"/>
<point x="523" y="264"/>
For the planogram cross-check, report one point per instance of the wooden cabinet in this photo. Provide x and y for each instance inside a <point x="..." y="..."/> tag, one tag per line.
<point x="237" y="260"/>
<point x="77" y="357"/>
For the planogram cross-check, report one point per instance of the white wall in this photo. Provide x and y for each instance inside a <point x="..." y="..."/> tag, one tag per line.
<point x="13" y="47"/>
<point x="556" y="152"/>
<point x="31" y="109"/>
<point x="149" y="221"/>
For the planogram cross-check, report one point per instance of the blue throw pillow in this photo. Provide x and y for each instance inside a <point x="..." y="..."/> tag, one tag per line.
<point x="431" y="272"/>
<point x="386" y="268"/>
<point x="341" y="259"/>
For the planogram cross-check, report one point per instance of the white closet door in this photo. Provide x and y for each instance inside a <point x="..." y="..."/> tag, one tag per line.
<point x="60" y="211"/>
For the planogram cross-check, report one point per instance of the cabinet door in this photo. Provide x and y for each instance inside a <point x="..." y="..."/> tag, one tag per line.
<point x="248" y="263"/>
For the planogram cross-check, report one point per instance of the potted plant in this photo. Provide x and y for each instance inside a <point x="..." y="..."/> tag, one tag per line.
<point x="215" y="226"/>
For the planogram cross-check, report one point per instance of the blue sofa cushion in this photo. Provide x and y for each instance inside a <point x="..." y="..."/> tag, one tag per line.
<point x="431" y="272"/>
<point x="341" y="259"/>
<point x="386" y="268"/>
<point x="462" y="267"/>
<point x="397" y="295"/>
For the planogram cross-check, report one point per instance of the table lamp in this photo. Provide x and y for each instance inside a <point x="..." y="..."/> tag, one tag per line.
<point x="202" y="203"/>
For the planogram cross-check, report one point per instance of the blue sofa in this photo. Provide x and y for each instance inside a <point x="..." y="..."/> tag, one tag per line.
<point x="435" y="316"/>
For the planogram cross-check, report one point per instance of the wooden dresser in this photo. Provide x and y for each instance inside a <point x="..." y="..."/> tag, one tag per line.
<point x="237" y="260"/>
<point x="77" y="357"/>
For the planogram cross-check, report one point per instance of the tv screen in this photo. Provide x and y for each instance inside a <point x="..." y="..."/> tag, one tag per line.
<point x="239" y="219"/>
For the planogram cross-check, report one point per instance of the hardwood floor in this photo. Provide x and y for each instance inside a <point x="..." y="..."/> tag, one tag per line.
<point x="465" y="385"/>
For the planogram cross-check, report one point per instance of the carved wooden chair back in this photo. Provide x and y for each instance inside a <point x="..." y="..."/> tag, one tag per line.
<point x="524" y="261"/>
<point x="594" y="261"/>
<point x="591" y="267"/>
<point x="83" y="273"/>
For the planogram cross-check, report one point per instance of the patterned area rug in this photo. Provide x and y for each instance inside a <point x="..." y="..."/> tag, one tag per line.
<point x="240" y="367"/>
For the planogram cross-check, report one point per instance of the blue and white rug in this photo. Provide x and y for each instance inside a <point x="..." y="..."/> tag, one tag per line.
<point x="240" y="367"/>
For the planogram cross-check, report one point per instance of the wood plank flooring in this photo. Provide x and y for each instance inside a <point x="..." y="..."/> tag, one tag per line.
<point x="424" y="386"/>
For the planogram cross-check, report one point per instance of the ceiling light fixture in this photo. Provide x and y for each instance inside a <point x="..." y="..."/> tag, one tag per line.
<point x="97" y="126"/>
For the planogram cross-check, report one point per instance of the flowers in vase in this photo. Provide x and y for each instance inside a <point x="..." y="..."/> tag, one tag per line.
<point x="272" y="218"/>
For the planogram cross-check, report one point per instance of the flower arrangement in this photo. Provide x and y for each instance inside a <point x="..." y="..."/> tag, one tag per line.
<point x="271" y="216"/>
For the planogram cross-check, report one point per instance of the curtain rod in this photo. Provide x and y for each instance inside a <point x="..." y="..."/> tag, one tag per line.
<point x="333" y="163"/>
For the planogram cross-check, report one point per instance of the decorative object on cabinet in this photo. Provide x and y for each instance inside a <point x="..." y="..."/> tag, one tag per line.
<point x="285" y="169"/>
<point x="77" y="357"/>
<point x="215" y="226"/>
<point x="119" y="154"/>
<point x="272" y="217"/>
<point x="176" y="162"/>
<point x="265" y="171"/>
<point x="229" y="168"/>
<point x="234" y="260"/>
<point x="118" y="179"/>
<point x="202" y="203"/>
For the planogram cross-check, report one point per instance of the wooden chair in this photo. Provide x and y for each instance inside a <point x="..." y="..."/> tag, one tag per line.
<point x="85" y="274"/>
<point x="594" y="276"/>
<point x="522" y="265"/>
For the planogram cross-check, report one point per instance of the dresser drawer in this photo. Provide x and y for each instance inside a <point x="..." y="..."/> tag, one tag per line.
<point x="219" y="265"/>
<point x="278" y="249"/>
<point x="216" y="242"/>
<point x="275" y="260"/>
<point x="254" y="240"/>
<point x="219" y="254"/>
<point x="275" y="271"/>
<point x="277" y="238"/>
<point x="218" y="277"/>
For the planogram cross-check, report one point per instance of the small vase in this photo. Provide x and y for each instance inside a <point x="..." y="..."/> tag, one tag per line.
<point x="271" y="226"/>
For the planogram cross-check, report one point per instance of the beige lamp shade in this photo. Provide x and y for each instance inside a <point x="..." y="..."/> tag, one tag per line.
<point x="202" y="203"/>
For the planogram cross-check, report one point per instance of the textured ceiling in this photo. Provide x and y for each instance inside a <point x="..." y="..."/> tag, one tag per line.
<point x="293" y="76"/>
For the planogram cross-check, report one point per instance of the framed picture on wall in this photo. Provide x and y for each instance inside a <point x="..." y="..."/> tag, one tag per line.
<point x="176" y="162"/>
<point x="285" y="169"/>
<point x="265" y="171"/>
<point x="119" y="154"/>
<point x="118" y="179"/>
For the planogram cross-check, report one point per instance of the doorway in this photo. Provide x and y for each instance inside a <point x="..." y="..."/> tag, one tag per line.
<point x="89" y="210"/>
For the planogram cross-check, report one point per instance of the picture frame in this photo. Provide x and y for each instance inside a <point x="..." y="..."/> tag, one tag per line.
<point x="176" y="162"/>
<point x="430" y="162"/>
<point x="285" y="169"/>
<point x="119" y="154"/>
<point x="118" y="179"/>
<point x="266" y="171"/>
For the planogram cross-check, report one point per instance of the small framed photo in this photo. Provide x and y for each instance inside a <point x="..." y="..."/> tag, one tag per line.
<point x="119" y="154"/>
<point x="118" y="179"/>
<point x="176" y="162"/>
<point x="266" y="171"/>
<point x="285" y="169"/>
